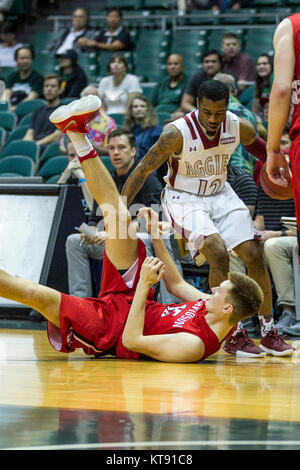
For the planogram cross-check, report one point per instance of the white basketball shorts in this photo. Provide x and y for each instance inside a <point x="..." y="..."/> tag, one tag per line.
<point x="196" y="217"/>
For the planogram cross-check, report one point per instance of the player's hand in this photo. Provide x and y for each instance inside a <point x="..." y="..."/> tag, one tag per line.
<point x="152" y="271"/>
<point x="99" y="238"/>
<point x="153" y="226"/>
<point x="278" y="169"/>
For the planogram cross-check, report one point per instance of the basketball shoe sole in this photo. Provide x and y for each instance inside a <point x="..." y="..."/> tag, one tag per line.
<point x="75" y="115"/>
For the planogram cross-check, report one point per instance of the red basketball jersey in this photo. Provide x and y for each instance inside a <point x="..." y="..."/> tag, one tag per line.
<point x="295" y="20"/>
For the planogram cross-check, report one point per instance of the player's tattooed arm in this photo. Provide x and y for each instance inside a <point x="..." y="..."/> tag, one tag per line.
<point x="169" y="144"/>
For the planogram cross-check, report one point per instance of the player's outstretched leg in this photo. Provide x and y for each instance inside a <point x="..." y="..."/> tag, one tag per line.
<point x="41" y="298"/>
<point x="120" y="245"/>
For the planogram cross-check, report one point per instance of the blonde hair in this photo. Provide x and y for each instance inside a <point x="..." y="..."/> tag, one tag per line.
<point x="245" y="296"/>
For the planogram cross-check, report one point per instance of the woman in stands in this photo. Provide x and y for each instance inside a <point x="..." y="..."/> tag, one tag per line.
<point x="264" y="80"/>
<point x="141" y="119"/>
<point x="118" y="89"/>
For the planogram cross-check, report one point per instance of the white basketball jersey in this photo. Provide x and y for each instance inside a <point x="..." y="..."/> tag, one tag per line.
<point x="201" y="168"/>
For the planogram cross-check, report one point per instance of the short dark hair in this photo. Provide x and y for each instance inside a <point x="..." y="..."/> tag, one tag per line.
<point x="213" y="90"/>
<point x="121" y="131"/>
<point x="9" y="27"/>
<point x="231" y="36"/>
<point x="27" y="47"/>
<point x="121" y="58"/>
<point x="53" y="77"/>
<point x="212" y="52"/>
<point x="115" y="9"/>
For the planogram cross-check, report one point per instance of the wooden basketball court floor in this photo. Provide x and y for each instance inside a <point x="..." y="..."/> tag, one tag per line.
<point x="54" y="401"/>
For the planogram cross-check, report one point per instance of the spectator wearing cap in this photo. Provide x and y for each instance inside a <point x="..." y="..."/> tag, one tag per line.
<point x="73" y="78"/>
<point x="9" y="44"/>
<point x="25" y="83"/>
<point x="114" y="38"/>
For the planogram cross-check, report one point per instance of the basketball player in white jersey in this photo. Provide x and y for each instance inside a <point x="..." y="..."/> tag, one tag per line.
<point x="202" y="206"/>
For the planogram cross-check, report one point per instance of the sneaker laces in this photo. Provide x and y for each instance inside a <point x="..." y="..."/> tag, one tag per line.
<point x="243" y="333"/>
<point x="274" y="334"/>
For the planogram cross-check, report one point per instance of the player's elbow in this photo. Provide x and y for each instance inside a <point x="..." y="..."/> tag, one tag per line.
<point x="129" y="342"/>
<point x="281" y="90"/>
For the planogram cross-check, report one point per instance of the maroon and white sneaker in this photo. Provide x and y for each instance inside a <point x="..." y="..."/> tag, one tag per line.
<point x="274" y="344"/>
<point x="75" y="115"/>
<point x="242" y="345"/>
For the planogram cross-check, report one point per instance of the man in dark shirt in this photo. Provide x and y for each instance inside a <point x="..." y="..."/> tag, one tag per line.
<point x="41" y="130"/>
<point x="237" y="63"/>
<point x="115" y="38"/>
<point x="212" y="63"/>
<point x="25" y="83"/>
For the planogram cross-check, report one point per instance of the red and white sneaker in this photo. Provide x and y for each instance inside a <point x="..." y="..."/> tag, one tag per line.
<point x="75" y="115"/>
<point x="274" y="344"/>
<point x="242" y="345"/>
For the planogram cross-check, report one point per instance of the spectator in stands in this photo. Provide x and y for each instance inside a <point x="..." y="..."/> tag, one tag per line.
<point x="25" y="83"/>
<point x="142" y="121"/>
<point x="224" y="5"/>
<point x="240" y="157"/>
<point x="168" y="92"/>
<point x="118" y="89"/>
<point x="212" y="64"/>
<point x="69" y="37"/>
<point x="9" y="44"/>
<point x="264" y="80"/>
<point x="41" y="130"/>
<point x="279" y="244"/>
<point x="237" y="63"/>
<point x="99" y="127"/>
<point x="115" y="38"/>
<point x="73" y="78"/>
<point x="73" y="174"/>
<point x="262" y="87"/>
<point x="80" y="249"/>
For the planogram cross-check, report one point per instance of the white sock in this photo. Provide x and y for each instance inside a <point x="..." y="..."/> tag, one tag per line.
<point x="81" y="142"/>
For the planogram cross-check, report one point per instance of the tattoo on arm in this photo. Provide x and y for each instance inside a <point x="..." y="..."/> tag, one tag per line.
<point x="169" y="143"/>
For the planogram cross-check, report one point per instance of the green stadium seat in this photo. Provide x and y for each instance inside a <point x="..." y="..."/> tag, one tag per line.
<point x="107" y="162"/>
<point x="272" y="15"/>
<point x="267" y="3"/>
<point x="124" y="4"/>
<point x="27" y="107"/>
<point x="152" y="4"/>
<point x="4" y="106"/>
<point x="8" y="120"/>
<point x="205" y="17"/>
<point x="17" y="165"/>
<point x="150" y="72"/>
<point x="17" y="133"/>
<point x="118" y="117"/>
<point x="53" y="179"/>
<point x="240" y="17"/>
<point x="6" y="71"/>
<point x="53" y="166"/>
<point x="42" y="40"/>
<point x="162" y="117"/>
<point x="52" y="150"/>
<point x="28" y="148"/>
<point x="3" y="136"/>
<point x="25" y="120"/>
<point x="259" y="41"/>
